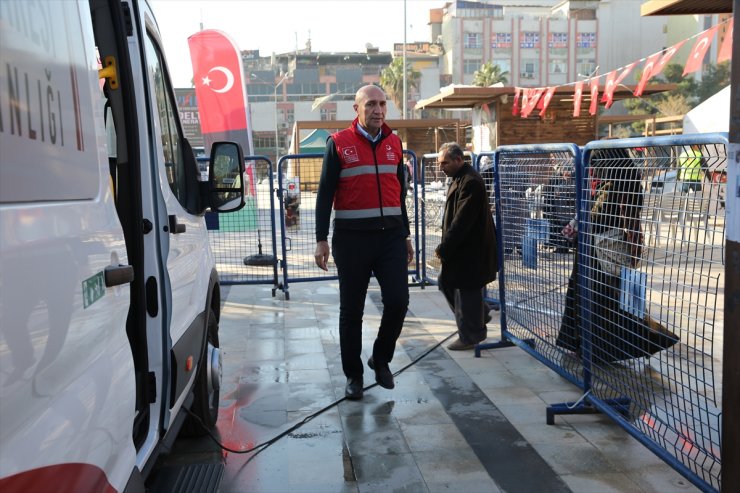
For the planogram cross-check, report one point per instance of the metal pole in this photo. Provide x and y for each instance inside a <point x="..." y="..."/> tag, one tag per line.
<point x="405" y="92"/>
<point x="277" y="145"/>
<point x="730" y="362"/>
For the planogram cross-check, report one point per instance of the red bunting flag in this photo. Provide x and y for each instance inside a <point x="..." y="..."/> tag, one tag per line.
<point x="647" y="72"/>
<point x="515" y="108"/>
<point x="594" y="96"/>
<point x="532" y="97"/>
<point x="545" y="101"/>
<point x="577" y="96"/>
<point x="667" y="55"/>
<point x="696" y="57"/>
<point x="612" y="82"/>
<point x="725" y="51"/>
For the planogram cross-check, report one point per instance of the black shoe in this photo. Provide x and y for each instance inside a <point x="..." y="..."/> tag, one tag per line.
<point x="383" y="374"/>
<point x="353" y="390"/>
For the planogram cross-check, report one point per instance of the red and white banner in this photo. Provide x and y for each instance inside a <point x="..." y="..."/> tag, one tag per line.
<point x="725" y="51"/>
<point x="612" y="82"/>
<point x="667" y="55"/>
<point x="693" y="63"/>
<point x="594" y="96"/>
<point x="577" y="96"/>
<point x="220" y="91"/>
<point x="515" y="108"/>
<point x="647" y="72"/>
<point x="545" y="100"/>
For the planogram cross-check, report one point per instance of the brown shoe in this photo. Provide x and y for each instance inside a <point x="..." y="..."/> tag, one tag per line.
<point x="459" y="345"/>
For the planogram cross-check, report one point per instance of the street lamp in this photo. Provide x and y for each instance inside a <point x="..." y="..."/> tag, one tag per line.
<point x="254" y="76"/>
<point x="277" y="141"/>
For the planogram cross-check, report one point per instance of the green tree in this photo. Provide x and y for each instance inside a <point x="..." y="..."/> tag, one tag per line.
<point x="391" y="80"/>
<point x="488" y="75"/>
<point x="716" y="78"/>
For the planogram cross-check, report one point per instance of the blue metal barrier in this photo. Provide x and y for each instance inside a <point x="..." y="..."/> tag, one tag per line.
<point x="244" y="242"/>
<point x="638" y="321"/>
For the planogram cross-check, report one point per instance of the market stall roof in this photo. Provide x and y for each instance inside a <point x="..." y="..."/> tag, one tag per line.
<point x="685" y="7"/>
<point x="459" y="97"/>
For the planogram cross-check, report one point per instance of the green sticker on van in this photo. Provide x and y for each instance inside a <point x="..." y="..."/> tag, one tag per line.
<point x="93" y="288"/>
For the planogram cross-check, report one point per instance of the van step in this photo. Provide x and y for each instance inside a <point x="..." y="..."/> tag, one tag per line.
<point x="188" y="478"/>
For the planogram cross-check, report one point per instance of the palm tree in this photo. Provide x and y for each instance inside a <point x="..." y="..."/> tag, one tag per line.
<point x="488" y="75"/>
<point x="391" y="80"/>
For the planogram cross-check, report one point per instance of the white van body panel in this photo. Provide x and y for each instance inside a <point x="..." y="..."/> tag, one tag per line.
<point x="66" y="371"/>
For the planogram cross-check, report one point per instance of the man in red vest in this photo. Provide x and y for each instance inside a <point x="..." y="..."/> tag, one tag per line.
<point x="363" y="179"/>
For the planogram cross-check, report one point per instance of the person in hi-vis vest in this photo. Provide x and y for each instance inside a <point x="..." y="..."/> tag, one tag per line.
<point x="690" y="164"/>
<point x="364" y="179"/>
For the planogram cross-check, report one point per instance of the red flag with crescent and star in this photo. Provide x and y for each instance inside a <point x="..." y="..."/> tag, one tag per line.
<point x="594" y="108"/>
<point x="577" y="96"/>
<point x="221" y="93"/>
<point x="693" y="63"/>
<point x="546" y="98"/>
<point x="667" y="55"/>
<point x="647" y="72"/>
<point x="612" y="82"/>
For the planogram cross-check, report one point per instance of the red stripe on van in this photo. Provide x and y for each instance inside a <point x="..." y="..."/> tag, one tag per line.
<point x="60" y="478"/>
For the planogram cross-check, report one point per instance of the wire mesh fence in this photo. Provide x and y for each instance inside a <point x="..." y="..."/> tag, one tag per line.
<point x="632" y="311"/>
<point x="297" y="217"/>
<point x="537" y="200"/>
<point x="651" y="289"/>
<point x="244" y="242"/>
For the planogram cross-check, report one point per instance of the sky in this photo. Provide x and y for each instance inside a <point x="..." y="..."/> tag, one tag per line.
<point x="280" y="25"/>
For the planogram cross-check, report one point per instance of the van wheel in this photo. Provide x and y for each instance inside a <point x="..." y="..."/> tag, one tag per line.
<point x="207" y="385"/>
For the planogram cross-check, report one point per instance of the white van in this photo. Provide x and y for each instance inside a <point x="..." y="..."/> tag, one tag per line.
<point x="109" y="297"/>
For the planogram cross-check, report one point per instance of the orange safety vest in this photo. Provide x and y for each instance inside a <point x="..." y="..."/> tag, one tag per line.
<point x="368" y="178"/>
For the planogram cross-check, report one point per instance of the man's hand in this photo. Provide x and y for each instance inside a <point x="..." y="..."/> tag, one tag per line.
<point x="410" y="250"/>
<point x="321" y="256"/>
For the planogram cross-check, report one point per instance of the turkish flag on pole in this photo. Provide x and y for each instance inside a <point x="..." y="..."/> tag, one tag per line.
<point x="647" y="72"/>
<point x="546" y="99"/>
<point x="667" y="55"/>
<point x="693" y="63"/>
<point x="612" y="82"/>
<point x="515" y="108"/>
<point x="594" y="96"/>
<point x="219" y="88"/>
<point x="725" y="51"/>
<point x="577" y="96"/>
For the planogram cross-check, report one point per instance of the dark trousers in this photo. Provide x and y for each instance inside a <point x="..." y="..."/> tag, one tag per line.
<point x="358" y="255"/>
<point x="470" y="312"/>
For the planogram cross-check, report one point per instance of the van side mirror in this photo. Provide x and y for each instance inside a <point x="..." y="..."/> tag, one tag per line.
<point x="226" y="177"/>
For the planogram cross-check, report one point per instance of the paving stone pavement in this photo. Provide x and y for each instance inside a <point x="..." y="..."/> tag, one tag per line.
<point x="454" y="422"/>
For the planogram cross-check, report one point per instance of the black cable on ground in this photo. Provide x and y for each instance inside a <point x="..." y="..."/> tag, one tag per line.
<point x="262" y="446"/>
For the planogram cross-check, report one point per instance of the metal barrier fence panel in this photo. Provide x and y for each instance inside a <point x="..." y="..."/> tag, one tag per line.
<point x="652" y="282"/>
<point x="297" y="218"/>
<point x="432" y="190"/>
<point x="536" y="198"/>
<point x="244" y="242"/>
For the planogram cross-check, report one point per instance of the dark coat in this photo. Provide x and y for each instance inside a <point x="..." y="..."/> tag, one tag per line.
<point x="468" y="248"/>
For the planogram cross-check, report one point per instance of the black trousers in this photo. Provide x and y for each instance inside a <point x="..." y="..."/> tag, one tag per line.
<point x="470" y="312"/>
<point x="358" y="255"/>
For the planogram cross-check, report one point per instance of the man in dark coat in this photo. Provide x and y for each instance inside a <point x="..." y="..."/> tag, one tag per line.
<point x="468" y="250"/>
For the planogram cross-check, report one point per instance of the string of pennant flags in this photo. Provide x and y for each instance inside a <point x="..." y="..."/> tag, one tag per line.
<point x="527" y="99"/>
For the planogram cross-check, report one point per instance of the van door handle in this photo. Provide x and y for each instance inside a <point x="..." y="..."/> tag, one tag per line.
<point x="176" y="228"/>
<point x="117" y="275"/>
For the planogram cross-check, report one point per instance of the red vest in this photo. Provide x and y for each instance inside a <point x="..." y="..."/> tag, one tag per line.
<point x="368" y="179"/>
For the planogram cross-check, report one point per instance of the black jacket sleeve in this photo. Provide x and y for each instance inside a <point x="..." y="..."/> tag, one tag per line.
<point x="327" y="187"/>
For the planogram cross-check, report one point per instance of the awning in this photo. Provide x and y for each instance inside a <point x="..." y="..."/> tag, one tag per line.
<point x="685" y="7"/>
<point x="459" y="97"/>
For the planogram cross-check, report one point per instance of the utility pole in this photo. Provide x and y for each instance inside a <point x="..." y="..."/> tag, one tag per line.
<point x="730" y="364"/>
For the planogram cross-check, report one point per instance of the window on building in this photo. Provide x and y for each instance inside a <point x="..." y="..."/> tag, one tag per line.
<point x="530" y="69"/>
<point x="504" y="64"/>
<point x="328" y="114"/>
<point x="290" y="116"/>
<point x="558" y="67"/>
<point x="471" y="65"/>
<point x="473" y="41"/>
<point x="585" y="66"/>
